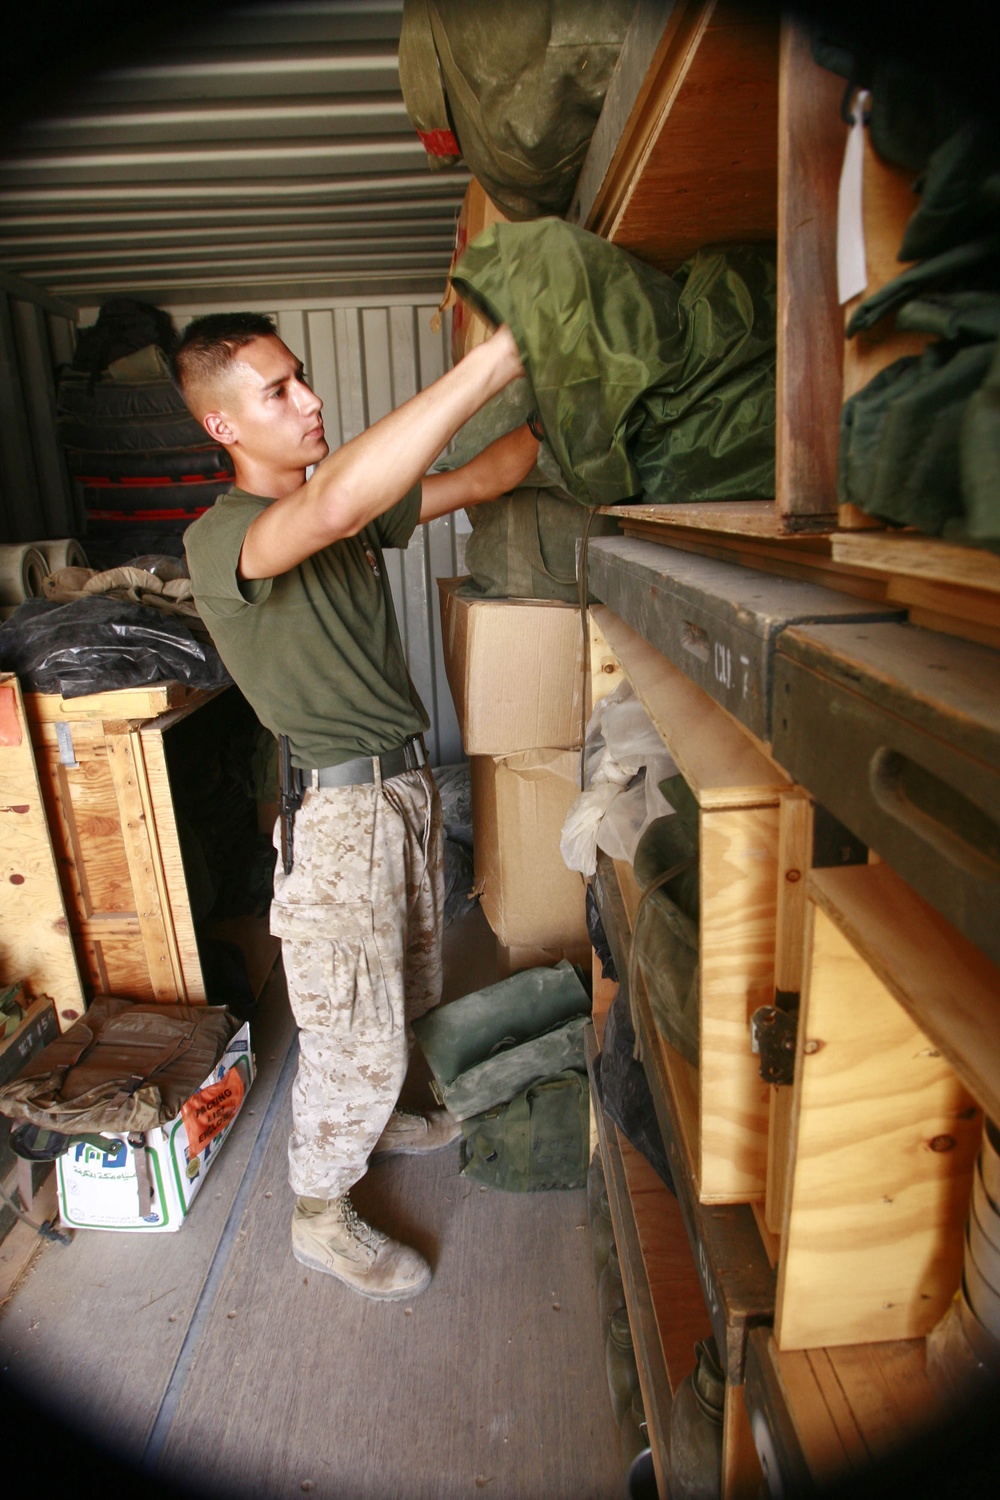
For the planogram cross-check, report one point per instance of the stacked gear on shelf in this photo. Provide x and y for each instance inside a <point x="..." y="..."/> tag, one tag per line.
<point x="920" y="442"/>
<point x="142" y="467"/>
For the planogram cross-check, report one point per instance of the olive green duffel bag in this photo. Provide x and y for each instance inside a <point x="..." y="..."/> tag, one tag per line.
<point x="538" y="1142"/>
<point x="487" y="1046"/>
<point x="515" y="90"/>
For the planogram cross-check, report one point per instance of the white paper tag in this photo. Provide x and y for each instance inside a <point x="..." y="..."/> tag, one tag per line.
<point x="64" y="739"/>
<point x="852" y="268"/>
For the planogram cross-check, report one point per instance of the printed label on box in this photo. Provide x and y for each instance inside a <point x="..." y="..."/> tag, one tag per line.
<point x="102" y="1184"/>
<point x="208" y="1112"/>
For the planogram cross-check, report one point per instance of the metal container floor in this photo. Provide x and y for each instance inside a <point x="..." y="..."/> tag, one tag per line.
<point x="209" y="1362"/>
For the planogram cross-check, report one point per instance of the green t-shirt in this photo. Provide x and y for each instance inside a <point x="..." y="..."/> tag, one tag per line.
<point x="315" y="651"/>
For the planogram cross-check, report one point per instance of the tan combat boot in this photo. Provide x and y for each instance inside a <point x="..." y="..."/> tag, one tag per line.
<point x="333" y="1239"/>
<point x="409" y="1134"/>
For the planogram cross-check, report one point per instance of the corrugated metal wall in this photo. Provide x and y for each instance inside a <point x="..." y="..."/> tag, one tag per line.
<point x="364" y="360"/>
<point x="36" y="336"/>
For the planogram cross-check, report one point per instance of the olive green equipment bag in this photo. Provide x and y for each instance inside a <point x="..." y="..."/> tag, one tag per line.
<point x="538" y="1142"/>
<point x="514" y="89"/>
<point x="487" y="1046"/>
<point x="523" y="545"/>
<point x="665" y="941"/>
<point x="645" y="384"/>
<point x="920" y="443"/>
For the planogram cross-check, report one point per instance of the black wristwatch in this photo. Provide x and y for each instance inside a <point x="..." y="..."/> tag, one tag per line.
<point x="535" y="426"/>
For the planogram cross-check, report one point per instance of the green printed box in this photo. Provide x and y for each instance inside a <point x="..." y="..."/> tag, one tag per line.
<point x="98" y="1189"/>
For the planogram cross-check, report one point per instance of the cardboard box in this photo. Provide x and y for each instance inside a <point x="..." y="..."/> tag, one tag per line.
<point x="515" y="960"/>
<point x="515" y="669"/>
<point x="99" y="1190"/>
<point x="519" y="805"/>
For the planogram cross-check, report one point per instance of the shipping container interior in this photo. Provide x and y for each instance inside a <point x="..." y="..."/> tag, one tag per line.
<point x="807" y="1308"/>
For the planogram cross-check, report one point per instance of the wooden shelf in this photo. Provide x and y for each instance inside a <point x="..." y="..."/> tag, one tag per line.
<point x="662" y="1290"/>
<point x="720" y="761"/>
<point x="828" y="1414"/>
<point x="944" y="983"/>
<point x="687" y="155"/>
<point x="908" y="555"/>
<point x="737" y="1282"/>
<point x="747" y="520"/>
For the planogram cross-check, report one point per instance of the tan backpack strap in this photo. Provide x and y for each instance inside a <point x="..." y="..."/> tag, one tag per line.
<point x="143" y="1173"/>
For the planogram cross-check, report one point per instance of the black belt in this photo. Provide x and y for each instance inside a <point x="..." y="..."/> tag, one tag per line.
<point x="368" y="768"/>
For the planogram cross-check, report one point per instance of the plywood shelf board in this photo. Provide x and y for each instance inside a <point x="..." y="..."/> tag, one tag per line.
<point x="716" y="757"/>
<point x="737" y="1281"/>
<point x="744" y="519"/>
<point x="884" y="1143"/>
<point x="948" y="987"/>
<point x="698" y="162"/>
<point x="913" y="556"/>
<point x="852" y="1405"/>
<point x="618" y="129"/>
<point x="654" y="1381"/>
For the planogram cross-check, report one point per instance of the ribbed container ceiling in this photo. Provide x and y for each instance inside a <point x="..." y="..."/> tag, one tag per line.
<point x="266" y="154"/>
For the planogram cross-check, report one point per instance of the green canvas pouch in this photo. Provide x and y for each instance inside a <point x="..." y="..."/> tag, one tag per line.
<point x="523" y="546"/>
<point x="538" y="1142"/>
<point x="900" y="439"/>
<point x="666" y="936"/>
<point x="487" y="1046"/>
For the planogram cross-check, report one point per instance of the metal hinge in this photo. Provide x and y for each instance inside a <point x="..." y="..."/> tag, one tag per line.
<point x="773" y="1029"/>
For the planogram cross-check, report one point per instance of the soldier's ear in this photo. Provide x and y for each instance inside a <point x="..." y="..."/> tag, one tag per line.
<point x="219" y="427"/>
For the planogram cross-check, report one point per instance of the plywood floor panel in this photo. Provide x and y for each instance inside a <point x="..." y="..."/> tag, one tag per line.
<point x="95" y="1328"/>
<point x="282" y="1382"/>
<point x="495" y="1374"/>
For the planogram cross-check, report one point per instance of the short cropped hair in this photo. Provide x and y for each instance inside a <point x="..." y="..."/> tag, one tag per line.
<point x="207" y="349"/>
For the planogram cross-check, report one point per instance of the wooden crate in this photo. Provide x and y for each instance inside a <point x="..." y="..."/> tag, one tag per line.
<point x="897" y="731"/>
<point x="723" y="1104"/>
<point x="717" y="621"/>
<point x="899" y="1032"/>
<point x="35" y="942"/>
<point x="105" y="768"/>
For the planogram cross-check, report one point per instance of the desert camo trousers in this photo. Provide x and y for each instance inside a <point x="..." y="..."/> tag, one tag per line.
<point x="360" y="920"/>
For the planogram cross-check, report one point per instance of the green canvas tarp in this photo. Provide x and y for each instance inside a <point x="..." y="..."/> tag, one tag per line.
<point x="646" y="384"/>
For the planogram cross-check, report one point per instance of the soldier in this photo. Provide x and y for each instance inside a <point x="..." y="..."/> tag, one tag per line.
<point x="289" y="579"/>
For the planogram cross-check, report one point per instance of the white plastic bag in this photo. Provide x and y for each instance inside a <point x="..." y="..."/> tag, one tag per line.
<point x="615" y="807"/>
